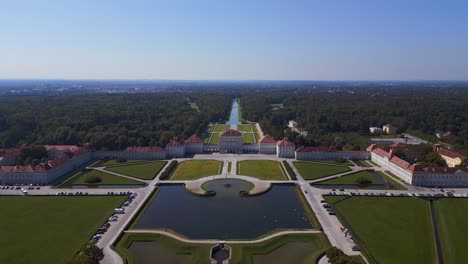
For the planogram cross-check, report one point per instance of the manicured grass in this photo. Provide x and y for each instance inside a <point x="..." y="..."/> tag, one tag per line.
<point x="116" y="162"/>
<point x="254" y="127"/>
<point x="452" y="215"/>
<point x="214" y="138"/>
<point x="361" y="163"/>
<point x="244" y="128"/>
<point x="311" y="171"/>
<point x="106" y="179"/>
<point x="290" y="171"/>
<point x="306" y="248"/>
<point x="257" y="136"/>
<point x="50" y="229"/>
<point x="196" y="253"/>
<point x="261" y="169"/>
<point x="395" y="185"/>
<point x="229" y="166"/>
<point x="220" y="128"/>
<point x="194" y="106"/>
<point x="144" y="171"/>
<point x="333" y="162"/>
<point x="248" y="138"/>
<point x="393" y="230"/>
<point x="352" y="179"/>
<point x="195" y="169"/>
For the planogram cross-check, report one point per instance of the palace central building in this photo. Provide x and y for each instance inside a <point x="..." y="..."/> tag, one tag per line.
<point x="230" y="141"/>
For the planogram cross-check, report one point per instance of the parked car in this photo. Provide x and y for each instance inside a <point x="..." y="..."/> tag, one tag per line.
<point x="355" y="248"/>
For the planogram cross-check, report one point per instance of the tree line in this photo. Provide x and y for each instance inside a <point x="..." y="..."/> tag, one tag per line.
<point x="341" y="117"/>
<point x="107" y="121"/>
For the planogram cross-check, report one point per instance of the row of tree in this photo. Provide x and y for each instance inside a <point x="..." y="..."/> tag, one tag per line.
<point x="108" y="121"/>
<point x="327" y="113"/>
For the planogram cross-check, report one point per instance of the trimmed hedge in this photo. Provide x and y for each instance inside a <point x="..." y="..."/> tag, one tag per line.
<point x="170" y="168"/>
<point x="289" y="170"/>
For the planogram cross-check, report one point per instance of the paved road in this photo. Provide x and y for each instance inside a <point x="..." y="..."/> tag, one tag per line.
<point x="330" y="224"/>
<point x="215" y="241"/>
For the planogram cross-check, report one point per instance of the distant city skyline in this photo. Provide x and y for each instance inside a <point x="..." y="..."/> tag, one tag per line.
<point x="234" y="40"/>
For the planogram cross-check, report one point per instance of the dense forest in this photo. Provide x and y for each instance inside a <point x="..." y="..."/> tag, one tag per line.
<point x="342" y="117"/>
<point x="333" y="116"/>
<point x="108" y="121"/>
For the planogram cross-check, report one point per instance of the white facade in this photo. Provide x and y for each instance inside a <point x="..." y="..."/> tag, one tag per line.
<point x="267" y="148"/>
<point x="175" y="151"/>
<point x="429" y="177"/>
<point x="456" y="179"/>
<point x="194" y="148"/>
<point x="154" y="155"/>
<point x="230" y="141"/>
<point x="332" y="155"/>
<point x="375" y="130"/>
<point x="44" y="177"/>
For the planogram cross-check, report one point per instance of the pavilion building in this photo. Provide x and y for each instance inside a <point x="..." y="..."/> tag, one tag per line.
<point x="230" y="141"/>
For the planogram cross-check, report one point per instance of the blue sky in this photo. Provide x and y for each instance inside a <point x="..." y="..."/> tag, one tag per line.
<point x="235" y="40"/>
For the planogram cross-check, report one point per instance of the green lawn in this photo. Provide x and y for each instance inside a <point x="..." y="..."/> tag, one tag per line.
<point x="106" y="179"/>
<point x="244" y="128"/>
<point x="214" y="139"/>
<point x="452" y="215"/>
<point x="261" y="169"/>
<point x="254" y="127"/>
<point x="115" y="162"/>
<point x="50" y="229"/>
<point x="144" y="171"/>
<point x="311" y="171"/>
<point x="395" y="185"/>
<point x="248" y="138"/>
<point x="362" y="163"/>
<point x="333" y="162"/>
<point x="195" y="169"/>
<point x="352" y="179"/>
<point x="394" y="230"/>
<point x="162" y="250"/>
<point x="257" y="136"/>
<point x="220" y="128"/>
<point x="297" y="249"/>
<point x="194" y="106"/>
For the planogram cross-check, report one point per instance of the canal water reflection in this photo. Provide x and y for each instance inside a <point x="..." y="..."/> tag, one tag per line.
<point x="227" y="215"/>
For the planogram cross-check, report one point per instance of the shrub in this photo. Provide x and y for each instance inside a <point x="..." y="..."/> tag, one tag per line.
<point x="289" y="170"/>
<point x="170" y="168"/>
<point x="363" y="181"/>
<point x="120" y="160"/>
<point x="336" y="256"/>
<point x="93" y="179"/>
<point x="341" y="160"/>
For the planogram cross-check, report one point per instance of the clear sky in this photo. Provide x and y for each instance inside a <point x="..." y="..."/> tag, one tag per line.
<point x="235" y="40"/>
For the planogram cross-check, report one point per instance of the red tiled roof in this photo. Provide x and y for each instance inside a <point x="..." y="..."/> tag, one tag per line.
<point x="400" y="163"/>
<point x="11" y="153"/>
<point x="71" y="148"/>
<point x="372" y="147"/>
<point x="174" y="143"/>
<point x="25" y="169"/>
<point x="194" y="139"/>
<point x="143" y="149"/>
<point x="382" y="153"/>
<point x="441" y="170"/>
<point x="316" y="149"/>
<point x="398" y="145"/>
<point x="267" y="139"/>
<point x="450" y="153"/>
<point x="231" y="133"/>
<point x="285" y="143"/>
